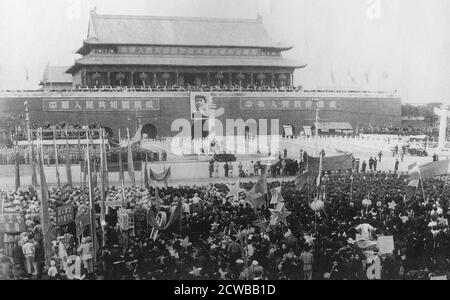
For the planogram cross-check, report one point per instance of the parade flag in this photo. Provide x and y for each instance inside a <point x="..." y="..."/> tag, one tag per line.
<point x="335" y="163"/>
<point x="34" y="181"/>
<point x="319" y="177"/>
<point x="17" y="177"/>
<point x="261" y="185"/>
<point x="301" y="180"/>
<point x="105" y="168"/>
<point x="45" y="217"/>
<point x="177" y="213"/>
<point x="58" y="178"/>
<point x="121" y="175"/>
<point x="85" y="166"/>
<point x="276" y="196"/>
<point x="137" y="137"/>
<point x="411" y="188"/>
<point x="103" y="180"/>
<point x="146" y="181"/>
<point x="68" y="167"/>
<point x="164" y="176"/>
<point x="157" y="198"/>
<point x="429" y="170"/>
<point x="91" y="202"/>
<point x="130" y="162"/>
<point x="94" y="174"/>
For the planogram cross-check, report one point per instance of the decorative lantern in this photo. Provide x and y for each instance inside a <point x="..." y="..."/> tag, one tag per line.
<point x="317" y="205"/>
<point x="166" y="77"/>
<point x="261" y="78"/>
<point x="366" y="203"/>
<point x="240" y="77"/>
<point x="120" y="77"/>
<point x="219" y="77"/>
<point x="143" y="76"/>
<point x="96" y="77"/>
<point x="282" y="78"/>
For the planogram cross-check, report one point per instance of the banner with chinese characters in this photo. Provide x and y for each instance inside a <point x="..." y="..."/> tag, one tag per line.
<point x="64" y="215"/>
<point x="82" y="220"/>
<point x="289" y="103"/>
<point x="12" y="223"/>
<point x="209" y="51"/>
<point x="98" y="105"/>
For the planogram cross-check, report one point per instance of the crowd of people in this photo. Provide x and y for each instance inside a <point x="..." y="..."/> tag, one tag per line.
<point x="220" y="237"/>
<point x="193" y="88"/>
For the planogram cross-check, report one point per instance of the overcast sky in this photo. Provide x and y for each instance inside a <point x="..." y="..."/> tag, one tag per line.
<point x="395" y="44"/>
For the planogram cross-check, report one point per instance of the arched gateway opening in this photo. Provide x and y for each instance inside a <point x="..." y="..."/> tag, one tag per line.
<point x="150" y="131"/>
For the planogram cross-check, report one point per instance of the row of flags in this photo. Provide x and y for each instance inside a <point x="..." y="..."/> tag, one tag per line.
<point x="89" y="168"/>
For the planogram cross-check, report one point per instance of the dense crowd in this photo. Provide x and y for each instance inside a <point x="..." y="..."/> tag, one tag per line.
<point x="219" y="238"/>
<point x="193" y="88"/>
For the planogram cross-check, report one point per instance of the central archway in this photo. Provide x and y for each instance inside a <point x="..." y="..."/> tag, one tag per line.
<point x="150" y="130"/>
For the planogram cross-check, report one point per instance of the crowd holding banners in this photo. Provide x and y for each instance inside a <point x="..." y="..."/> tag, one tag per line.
<point x="305" y="229"/>
<point x="230" y="239"/>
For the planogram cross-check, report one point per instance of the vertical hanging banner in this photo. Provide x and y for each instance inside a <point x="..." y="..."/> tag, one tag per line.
<point x="68" y="167"/>
<point x="130" y="161"/>
<point x="56" y="160"/>
<point x="45" y="214"/>
<point x="17" y="181"/>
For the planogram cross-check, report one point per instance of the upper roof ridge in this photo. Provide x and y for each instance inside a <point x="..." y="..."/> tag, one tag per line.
<point x="176" y="18"/>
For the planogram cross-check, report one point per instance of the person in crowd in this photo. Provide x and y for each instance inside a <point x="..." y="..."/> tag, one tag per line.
<point x="371" y="164"/>
<point x="380" y="155"/>
<point x="52" y="271"/>
<point x="211" y="168"/>
<point x="375" y="164"/>
<point x="86" y="252"/>
<point x="396" y="165"/>
<point x="255" y="169"/>
<point x="230" y="169"/>
<point x="363" y="167"/>
<point x="29" y="254"/>
<point x="216" y="169"/>
<point x="227" y="238"/>
<point x="357" y="165"/>
<point x="307" y="258"/>
<point x="226" y="168"/>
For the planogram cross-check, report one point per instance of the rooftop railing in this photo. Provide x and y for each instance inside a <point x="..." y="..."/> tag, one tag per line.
<point x="223" y="89"/>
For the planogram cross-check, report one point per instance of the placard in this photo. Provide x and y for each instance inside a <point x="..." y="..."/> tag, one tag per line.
<point x="81" y="221"/>
<point x="12" y="223"/>
<point x="385" y="245"/>
<point x="123" y="219"/>
<point x="444" y="277"/>
<point x="64" y="215"/>
<point x="113" y="204"/>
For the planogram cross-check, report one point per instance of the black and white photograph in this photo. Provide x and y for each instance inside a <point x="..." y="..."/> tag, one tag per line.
<point x="214" y="143"/>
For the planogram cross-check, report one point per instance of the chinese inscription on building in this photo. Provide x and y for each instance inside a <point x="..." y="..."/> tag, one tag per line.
<point x="295" y="104"/>
<point x="141" y="50"/>
<point x="101" y="104"/>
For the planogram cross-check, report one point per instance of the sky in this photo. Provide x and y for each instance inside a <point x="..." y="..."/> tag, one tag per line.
<point x="390" y="45"/>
